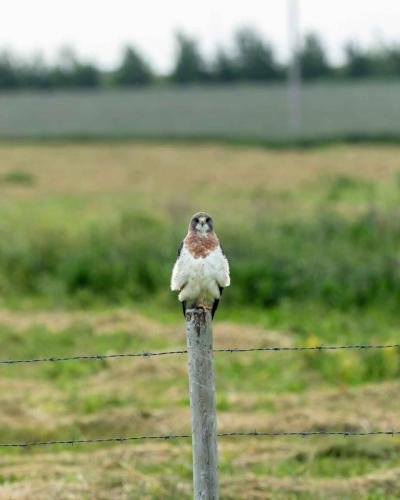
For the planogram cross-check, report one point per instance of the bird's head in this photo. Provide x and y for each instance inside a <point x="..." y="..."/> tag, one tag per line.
<point x="201" y="223"/>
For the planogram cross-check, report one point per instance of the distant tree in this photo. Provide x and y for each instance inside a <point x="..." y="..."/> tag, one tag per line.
<point x="313" y="59"/>
<point x="225" y="67"/>
<point x="86" y="75"/>
<point x="134" y="70"/>
<point x="255" y="57"/>
<point x="358" y="62"/>
<point x="69" y="72"/>
<point x="8" y="72"/>
<point x="393" y="60"/>
<point x="384" y="60"/>
<point x="189" y="65"/>
<point x="62" y="74"/>
<point x="380" y="61"/>
<point x="35" y="73"/>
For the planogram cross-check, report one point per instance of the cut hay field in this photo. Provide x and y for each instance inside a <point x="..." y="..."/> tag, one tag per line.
<point x="88" y="235"/>
<point x="237" y="112"/>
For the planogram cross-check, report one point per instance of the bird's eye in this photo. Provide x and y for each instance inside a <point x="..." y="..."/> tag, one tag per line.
<point x="196" y="220"/>
<point x="208" y="220"/>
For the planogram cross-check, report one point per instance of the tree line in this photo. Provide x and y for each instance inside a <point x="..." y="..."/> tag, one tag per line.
<point x="251" y="58"/>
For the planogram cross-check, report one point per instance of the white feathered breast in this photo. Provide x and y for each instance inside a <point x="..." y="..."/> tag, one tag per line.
<point x="200" y="278"/>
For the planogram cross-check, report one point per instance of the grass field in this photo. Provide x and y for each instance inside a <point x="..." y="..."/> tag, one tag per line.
<point x="246" y="112"/>
<point x="88" y="237"/>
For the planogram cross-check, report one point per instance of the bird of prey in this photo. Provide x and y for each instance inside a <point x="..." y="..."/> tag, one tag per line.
<point x="201" y="271"/>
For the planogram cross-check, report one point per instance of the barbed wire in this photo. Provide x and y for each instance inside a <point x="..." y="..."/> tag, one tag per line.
<point x="167" y="437"/>
<point x="99" y="357"/>
<point x="91" y="357"/>
<point x="310" y="348"/>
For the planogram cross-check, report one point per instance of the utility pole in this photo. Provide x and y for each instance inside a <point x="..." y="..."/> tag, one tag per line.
<point x="202" y="404"/>
<point x="294" y="75"/>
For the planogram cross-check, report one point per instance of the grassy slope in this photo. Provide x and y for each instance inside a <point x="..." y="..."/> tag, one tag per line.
<point x="70" y="187"/>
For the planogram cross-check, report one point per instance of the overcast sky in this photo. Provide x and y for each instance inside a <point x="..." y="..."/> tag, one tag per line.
<point x="98" y="29"/>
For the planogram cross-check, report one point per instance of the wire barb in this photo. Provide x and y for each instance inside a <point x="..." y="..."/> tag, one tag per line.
<point x="100" y="357"/>
<point x="187" y="436"/>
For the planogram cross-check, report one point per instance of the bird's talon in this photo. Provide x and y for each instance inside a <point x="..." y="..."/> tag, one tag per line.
<point x="204" y="308"/>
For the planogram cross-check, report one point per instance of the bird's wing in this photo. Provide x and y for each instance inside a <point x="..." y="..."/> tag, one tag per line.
<point x="179" y="250"/>
<point x="223" y="278"/>
<point x="178" y="278"/>
<point x="216" y="302"/>
<point x="223" y="281"/>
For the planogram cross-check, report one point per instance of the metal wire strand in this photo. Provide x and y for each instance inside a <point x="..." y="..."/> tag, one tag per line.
<point x="90" y="357"/>
<point x="99" y="357"/>
<point x="187" y="436"/>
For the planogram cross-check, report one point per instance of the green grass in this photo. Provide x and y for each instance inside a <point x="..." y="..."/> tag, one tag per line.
<point x="337" y="459"/>
<point x="328" y="259"/>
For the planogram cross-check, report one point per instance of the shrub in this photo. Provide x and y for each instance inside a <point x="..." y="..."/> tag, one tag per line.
<point x="330" y="259"/>
<point x="18" y="177"/>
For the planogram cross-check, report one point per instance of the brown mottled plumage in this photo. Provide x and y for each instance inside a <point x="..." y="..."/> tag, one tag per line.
<point x="200" y="245"/>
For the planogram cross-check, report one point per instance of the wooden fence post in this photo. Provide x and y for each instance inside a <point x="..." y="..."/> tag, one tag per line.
<point x="202" y="404"/>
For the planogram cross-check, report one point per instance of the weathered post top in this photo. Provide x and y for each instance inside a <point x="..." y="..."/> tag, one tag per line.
<point x="202" y="404"/>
